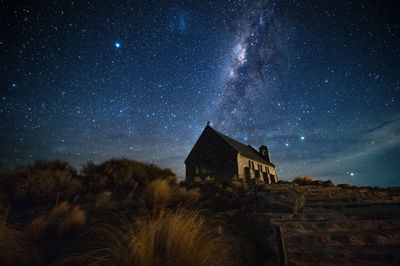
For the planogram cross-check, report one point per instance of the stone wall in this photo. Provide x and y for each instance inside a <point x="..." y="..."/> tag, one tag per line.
<point x="243" y="162"/>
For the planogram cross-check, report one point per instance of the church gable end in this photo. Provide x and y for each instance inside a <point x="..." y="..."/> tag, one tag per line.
<point x="211" y="156"/>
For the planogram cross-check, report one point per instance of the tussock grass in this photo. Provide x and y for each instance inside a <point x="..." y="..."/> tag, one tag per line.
<point x="60" y="210"/>
<point x="37" y="228"/>
<point x="103" y="202"/>
<point x="74" y="219"/>
<point x="63" y="218"/>
<point x="15" y="249"/>
<point x="170" y="238"/>
<point x="160" y="194"/>
<point x="187" y="198"/>
<point x="157" y="195"/>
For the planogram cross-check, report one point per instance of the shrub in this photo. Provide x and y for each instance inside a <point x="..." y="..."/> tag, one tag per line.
<point x="180" y="238"/>
<point x="344" y="186"/>
<point x="307" y="180"/>
<point x="8" y="181"/>
<point x="121" y="174"/>
<point x="47" y="181"/>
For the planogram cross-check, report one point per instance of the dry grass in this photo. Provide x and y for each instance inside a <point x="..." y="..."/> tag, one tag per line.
<point x="157" y="195"/>
<point x="187" y="198"/>
<point x="60" y="210"/>
<point x="37" y="227"/>
<point x="62" y="217"/>
<point x="103" y="202"/>
<point x="209" y="179"/>
<point x="15" y="249"/>
<point x="197" y="179"/>
<point x="76" y="218"/>
<point x="160" y="195"/>
<point x="180" y="238"/>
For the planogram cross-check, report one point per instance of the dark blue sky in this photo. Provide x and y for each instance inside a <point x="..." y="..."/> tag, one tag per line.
<point x="316" y="81"/>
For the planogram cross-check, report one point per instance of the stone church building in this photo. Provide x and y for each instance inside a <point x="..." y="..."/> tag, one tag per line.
<point x="221" y="157"/>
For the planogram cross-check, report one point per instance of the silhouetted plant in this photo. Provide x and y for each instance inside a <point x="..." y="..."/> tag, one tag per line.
<point x="121" y="174"/>
<point x="47" y="181"/>
<point x="307" y="180"/>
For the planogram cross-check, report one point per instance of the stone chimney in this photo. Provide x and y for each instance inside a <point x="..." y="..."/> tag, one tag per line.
<point x="265" y="153"/>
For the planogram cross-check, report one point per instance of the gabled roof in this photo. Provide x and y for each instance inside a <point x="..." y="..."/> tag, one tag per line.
<point x="245" y="150"/>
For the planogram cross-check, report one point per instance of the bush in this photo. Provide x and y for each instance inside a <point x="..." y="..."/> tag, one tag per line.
<point x="121" y="174"/>
<point x="9" y="180"/>
<point x="180" y="238"/>
<point x="307" y="180"/>
<point x="344" y="186"/>
<point x="47" y="181"/>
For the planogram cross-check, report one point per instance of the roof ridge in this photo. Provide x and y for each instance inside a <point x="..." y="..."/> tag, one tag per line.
<point x="245" y="150"/>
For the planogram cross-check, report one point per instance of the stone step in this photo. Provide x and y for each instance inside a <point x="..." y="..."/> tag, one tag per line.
<point x="342" y="225"/>
<point x="345" y="255"/>
<point x="362" y="238"/>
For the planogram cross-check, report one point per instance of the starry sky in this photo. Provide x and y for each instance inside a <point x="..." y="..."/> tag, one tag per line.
<point x="318" y="82"/>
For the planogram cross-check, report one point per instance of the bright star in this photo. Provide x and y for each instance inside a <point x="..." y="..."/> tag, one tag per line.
<point x="352" y="174"/>
<point x="117" y="44"/>
<point x="14" y="85"/>
<point x="245" y="138"/>
<point x="302" y="138"/>
<point x="287" y="144"/>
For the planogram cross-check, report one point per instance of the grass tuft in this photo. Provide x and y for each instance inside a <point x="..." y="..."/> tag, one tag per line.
<point x="178" y="238"/>
<point x="76" y="218"/>
<point x="15" y="249"/>
<point x="157" y="195"/>
<point x="60" y="210"/>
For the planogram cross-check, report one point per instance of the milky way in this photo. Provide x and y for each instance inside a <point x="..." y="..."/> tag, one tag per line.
<point x="316" y="81"/>
<point x="249" y="83"/>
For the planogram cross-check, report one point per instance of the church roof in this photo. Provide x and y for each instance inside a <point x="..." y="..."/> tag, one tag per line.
<point x="245" y="150"/>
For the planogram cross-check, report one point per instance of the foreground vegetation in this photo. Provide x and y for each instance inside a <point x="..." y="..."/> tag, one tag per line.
<point x="123" y="212"/>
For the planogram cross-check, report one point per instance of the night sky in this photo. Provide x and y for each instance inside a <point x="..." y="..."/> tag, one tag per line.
<point x="316" y="81"/>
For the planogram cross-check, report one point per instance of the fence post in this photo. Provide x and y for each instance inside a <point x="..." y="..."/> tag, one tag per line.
<point x="281" y="245"/>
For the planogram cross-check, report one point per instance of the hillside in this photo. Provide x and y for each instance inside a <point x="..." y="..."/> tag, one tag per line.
<point x="123" y="212"/>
